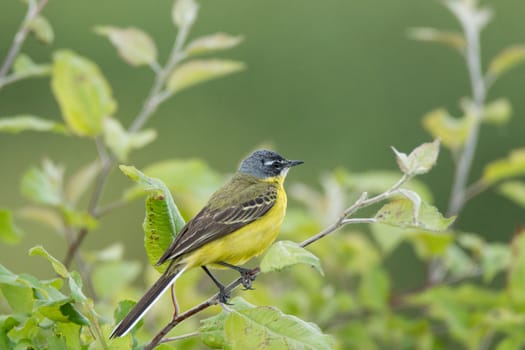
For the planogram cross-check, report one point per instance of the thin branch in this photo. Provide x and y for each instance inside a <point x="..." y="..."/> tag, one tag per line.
<point x="180" y="337"/>
<point x="362" y="202"/>
<point x="156" y="96"/>
<point x="21" y="35"/>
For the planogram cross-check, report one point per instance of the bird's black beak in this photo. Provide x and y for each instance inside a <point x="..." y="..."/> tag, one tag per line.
<point x="292" y="163"/>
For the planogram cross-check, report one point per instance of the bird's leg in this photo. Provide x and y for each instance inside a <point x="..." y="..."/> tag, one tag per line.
<point x="247" y="276"/>
<point x="223" y="294"/>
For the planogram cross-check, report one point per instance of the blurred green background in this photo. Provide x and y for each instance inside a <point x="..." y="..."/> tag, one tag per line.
<point x="332" y="82"/>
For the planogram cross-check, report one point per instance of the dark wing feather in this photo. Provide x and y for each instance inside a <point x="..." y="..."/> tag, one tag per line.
<point x="212" y="223"/>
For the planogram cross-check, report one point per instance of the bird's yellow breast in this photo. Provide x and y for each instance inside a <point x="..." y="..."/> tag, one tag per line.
<point x="249" y="241"/>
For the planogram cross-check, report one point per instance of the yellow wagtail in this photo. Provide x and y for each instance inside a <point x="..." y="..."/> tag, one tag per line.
<point x="240" y="221"/>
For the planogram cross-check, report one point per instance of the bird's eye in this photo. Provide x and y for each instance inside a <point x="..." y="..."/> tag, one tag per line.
<point x="276" y="164"/>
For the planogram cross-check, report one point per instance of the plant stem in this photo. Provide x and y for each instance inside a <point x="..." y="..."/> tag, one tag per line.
<point x="155" y="97"/>
<point x="20" y="37"/>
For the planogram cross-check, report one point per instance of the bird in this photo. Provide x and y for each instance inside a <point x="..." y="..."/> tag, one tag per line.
<point x="240" y="221"/>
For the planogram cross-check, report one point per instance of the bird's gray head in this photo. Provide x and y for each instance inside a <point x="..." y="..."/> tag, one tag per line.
<point x="264" y="164"/>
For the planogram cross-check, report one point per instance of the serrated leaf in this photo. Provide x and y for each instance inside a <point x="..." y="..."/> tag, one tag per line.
<point x="454" y="40"/>
<point x="374" y="289"/>
<point x="506" y="60"/>
<point x="70" y="332"/>
<point x="184" y="13"/>
<point x="400" y="213"/>
<point x="121" y="142"/>
<point x="452" y="132"/>
<point x="44" y="185"/>
<point x="59" y="268"/>
<point x="24" y="67"/>
<point x="501" y="169"/>
<point x="497" y="112"/>
<point x="110" y="277"/>
<point x="516" y="274"/>
<point x="82" y="92"/>
<point x="284" y="254"/>
<point x="81" y="180"/>
<point x="163" y="219"/>
<point x="198" y="71"/>
<point x="134" y="45"/>
<point x="9" y="232"/>
<point x="513" y="190"/>
<point x="268" y="327"/>
<point x="42" y="29"/>
<point x="25" y="122"/>
<point x="212" y="43"/>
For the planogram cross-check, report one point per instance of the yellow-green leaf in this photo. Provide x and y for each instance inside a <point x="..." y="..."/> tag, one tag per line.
<point x="59" y="268"/>
<point x="211" y="43"/>
<point x="497" y="112"/>
<point x="454" y="40"/>
<point x="374" y="289"/>
<point x="199" y="71"/>
<point x="44" y="185"/>
<point x="19" y="123"/>
<point x="134" y="45"/>
<point x="512" y="166"/>
<point x="451" y="131"/>
<point x="24" y="66"/>
<point x="420" y="160"/>
<point x="42" y="29"/>
<point x="514" y="190"/>
<point x="283" y="254"/>
<point x="9" y="232"/>
<point x="516" y="275"/>
<point x="121" y="142"/>
<point x="506" y="60"/>
<point x="82" y="92"/>
<point x="184" y="13"/>
<point x="400" y="213"/>
<point x="430" y="244"/>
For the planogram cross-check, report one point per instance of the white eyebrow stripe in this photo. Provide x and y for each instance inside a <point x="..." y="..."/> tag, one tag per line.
<point x="268" y="162"/>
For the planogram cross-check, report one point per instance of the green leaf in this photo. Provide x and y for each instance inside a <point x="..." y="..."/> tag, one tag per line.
<point x="184" y="13"/>
<point x="283" y="254"/>
<point x="79" y="219"/>
<point x="44" y="185"/>
<point x="82" y="92"/>
<point x="62" y="311"/>
<point x="506" y="60"/>
<point x="198" y="71"/>
<point x="81" y="180"/>
<point x="400" y="213"/>
<point x="512" y="166"/>
<point x="497" y="112"/>
<point x="452" y="132"/>
<point x="513" y="190"/>
<point x="108" y="278"/>
<point x="211" y="43"/>
<point x="516" y="274"/>
<point x="121" y="142"/>
<point x="267" y="327"/>
<point x="42" y="29"/>
<point x="430" y="244"/>
<point x="25" y="67"/>
<point x="454" y="40"/>
<point x="163" y="219"/>
<point x="75" y="286"/>
<point x="9" y="232"/>
<point x="374" y="289"/>
<point x="387" y="237"/>
<point x="420" y="160"/>
<point x="212" y="328"/>
<point x="59" y="268"/>
<point x="17" y="292"/>
<point x="495" y="257"/>
<point x="190" y="180"/>
<point x="134" y="45"/>
<point x="46" y="216"/>
<point x="24" y="122"/>
<point x="457" y="262"/>
<point x="70" y="332"/>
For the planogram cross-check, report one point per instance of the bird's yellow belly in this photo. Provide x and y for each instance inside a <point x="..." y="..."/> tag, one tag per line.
<point x="249" y="241"/>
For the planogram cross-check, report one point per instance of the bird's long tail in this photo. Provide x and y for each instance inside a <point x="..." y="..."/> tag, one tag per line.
<point x="147" y="301"/>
